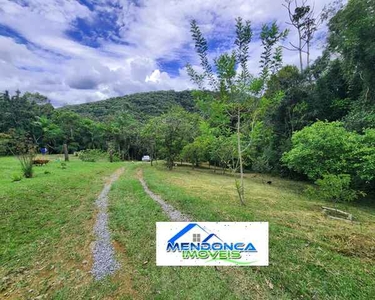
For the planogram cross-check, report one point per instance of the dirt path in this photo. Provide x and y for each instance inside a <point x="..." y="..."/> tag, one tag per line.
<point x="171" y="212"/>
<point x="104" y="262"/>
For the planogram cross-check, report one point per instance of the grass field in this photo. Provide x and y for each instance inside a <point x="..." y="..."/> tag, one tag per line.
<point x="46" y="232"/>
<point x="311" y="256"/>
<point x="46" y="228"/>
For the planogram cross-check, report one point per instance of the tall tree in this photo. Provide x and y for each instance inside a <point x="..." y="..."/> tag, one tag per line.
<point x="272" y="50"/>
<point x="303" y="18"/>
<point x="173" y="130"/>
<point x="235" y="105"/>
<point x="352" y="35"/>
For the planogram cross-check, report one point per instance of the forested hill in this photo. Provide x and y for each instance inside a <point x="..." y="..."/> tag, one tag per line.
<point x="140" y="104"/>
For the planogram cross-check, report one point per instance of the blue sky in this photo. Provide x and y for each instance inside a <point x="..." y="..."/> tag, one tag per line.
<point x="88" y="50"/>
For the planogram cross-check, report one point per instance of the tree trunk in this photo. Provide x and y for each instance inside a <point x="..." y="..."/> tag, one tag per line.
<point x="240" y="188"/>
<point x="66" y="153"/>
<point x="300" y="50"/>
<point x="110" y="156"/>
<point x="308" y="58"/>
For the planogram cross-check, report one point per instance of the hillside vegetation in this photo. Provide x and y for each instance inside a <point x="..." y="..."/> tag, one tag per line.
<point x="140" y="105"/>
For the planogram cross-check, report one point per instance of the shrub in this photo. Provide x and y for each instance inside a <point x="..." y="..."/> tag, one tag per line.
<point x="115" y="157"/>
<point x="335" y="188"/>
<point x="26" y="160"/>
<point x="63" y="165"/>
<point x="322" y="148"/>
<point x="91" y="155"/>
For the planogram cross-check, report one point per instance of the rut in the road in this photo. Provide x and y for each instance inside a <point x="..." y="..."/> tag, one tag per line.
<point x="103" y="252"/>
<point x="171" y="212"/>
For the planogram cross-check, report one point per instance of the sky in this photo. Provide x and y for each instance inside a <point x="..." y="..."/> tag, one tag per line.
<point x="88" y="50"/>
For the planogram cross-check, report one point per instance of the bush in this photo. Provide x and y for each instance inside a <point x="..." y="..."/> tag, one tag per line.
<point x="63" y="165"/>
<point x="26" y="161"/>
<point x="91" y="155"/>
<point x="335" y="188"/>
<point x="328" y="148"/>
<point x="115" y="157"/>
<point x="322" y="148"/>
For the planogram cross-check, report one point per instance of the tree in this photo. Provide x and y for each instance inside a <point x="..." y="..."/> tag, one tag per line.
<point x="235" y="106"/>
<point x="224" y="153"/>
<point x="124" y="131"/>
<point x="197" y="151"/>
<point x="68" y="122"/>
<point x="353" y="36"/>
<point x="174" y="130"/>
<point x="150" y="135"/>
<point x="272" y="53"/>
<point x="303" y="18"/>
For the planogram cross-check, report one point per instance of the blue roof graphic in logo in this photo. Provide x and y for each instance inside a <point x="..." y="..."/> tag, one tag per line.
<point x="189" y="227"/>
<point x="211" y="236"/>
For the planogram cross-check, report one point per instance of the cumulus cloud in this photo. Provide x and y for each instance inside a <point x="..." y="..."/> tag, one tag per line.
<point x="82" y="51"/>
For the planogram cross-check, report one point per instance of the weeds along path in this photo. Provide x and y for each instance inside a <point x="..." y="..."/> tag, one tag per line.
<point x="174" y="214"/>
<point x="104" y="262"/>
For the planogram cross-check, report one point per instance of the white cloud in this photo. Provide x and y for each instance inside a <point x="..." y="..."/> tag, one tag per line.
<point x="126" y="61"/>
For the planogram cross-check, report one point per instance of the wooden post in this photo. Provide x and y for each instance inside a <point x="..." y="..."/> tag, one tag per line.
<point x="66" y="154"/>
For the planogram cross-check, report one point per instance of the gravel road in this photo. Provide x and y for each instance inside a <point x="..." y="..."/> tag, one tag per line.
<point x="103" y="252"/>
<point x="172" y="213"/>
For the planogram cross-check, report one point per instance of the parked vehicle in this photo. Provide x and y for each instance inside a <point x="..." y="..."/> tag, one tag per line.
<point x="146" y="158"/>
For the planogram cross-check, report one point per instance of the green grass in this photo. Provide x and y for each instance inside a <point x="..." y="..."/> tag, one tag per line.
<point x="46" y="227"/>
<point x="133" y="217"/>
<point x="310" y="255"/>
<point x="46" y="234"/>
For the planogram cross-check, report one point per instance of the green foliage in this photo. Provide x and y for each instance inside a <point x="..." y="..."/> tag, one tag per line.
<point x="353" y="36"/>
<point x="271" y="57"/>
<point x="140" y="105"/>
<point x="172" y="131"/>
<point x="91" y="155"/>
<point x="26" y="161"/>
<point x="328" y="148"/>
<point x="124" y="132"/>
<point x="322" y="148"/>
<point x="116" y="158"/>
<point x="224" y="152"/>
<point x="335" y="188"/>
<point x="4" y="141"/>
<point x="364" y="154"/>
<point x="197" y="151"/>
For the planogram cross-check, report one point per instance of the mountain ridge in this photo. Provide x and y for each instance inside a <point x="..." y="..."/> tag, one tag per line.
<point x="140" y="105"/>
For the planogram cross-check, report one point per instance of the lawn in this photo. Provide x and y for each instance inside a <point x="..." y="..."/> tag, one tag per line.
<point x="311" y="256"/>
<point x="46" y="228"/>
<point x="46" y="236"/>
